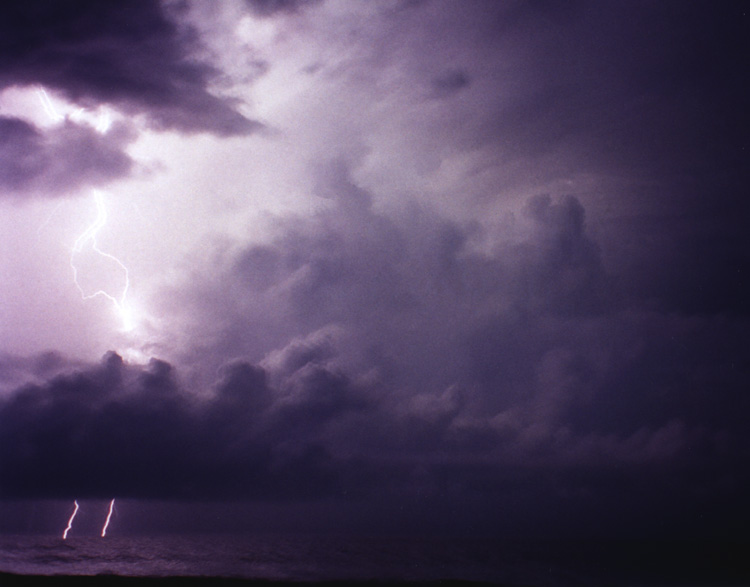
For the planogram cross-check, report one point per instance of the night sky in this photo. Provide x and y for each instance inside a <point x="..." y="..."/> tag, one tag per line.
<point x="469" y="267"/>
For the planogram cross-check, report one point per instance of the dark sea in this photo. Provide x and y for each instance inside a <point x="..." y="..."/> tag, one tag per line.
<point x="313" y="559"/>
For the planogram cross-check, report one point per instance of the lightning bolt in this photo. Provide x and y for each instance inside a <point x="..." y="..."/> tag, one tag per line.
<point x="109" y="516"/>
<point x="48" y="107"/>
<point x="70" y="521"/>
<point x="89" y="237"/>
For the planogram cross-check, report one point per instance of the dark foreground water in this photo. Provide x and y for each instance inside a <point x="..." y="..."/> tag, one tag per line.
<point x="24" y="559"/>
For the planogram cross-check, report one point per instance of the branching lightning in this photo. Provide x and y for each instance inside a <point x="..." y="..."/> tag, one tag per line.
<point x="109" y="516"/>
<point x="70" y="521"/>
<point x="88" y="237"/>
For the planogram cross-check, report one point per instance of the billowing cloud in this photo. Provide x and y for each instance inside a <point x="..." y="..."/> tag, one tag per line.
<point x="132" y="430"/>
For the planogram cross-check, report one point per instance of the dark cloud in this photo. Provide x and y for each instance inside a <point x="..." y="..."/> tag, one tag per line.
<point x="61" y="160"/>
<point x="644" y="100"/>
<point x="134" y="431"/>
<point x="130" y="55"/>
<point x="450" y="82"/>
<point x="654" y="87"/>
<point x="693" y="269"/>
<point x="650" y="96"/>
<point x="271" y="7"/>
<point x="16" y="370"/>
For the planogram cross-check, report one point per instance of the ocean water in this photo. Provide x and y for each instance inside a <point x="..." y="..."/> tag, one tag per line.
<point x="291" y="558"/>
<point x="351" y="558"/>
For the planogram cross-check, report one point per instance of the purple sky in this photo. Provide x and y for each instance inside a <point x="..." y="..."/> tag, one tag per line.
<point x="467" y="266"/>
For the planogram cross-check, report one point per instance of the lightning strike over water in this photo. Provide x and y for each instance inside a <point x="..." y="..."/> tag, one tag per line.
<point x="109" y="516"/>
<point x="88" y="237"/>
<point x="70" y="521"/>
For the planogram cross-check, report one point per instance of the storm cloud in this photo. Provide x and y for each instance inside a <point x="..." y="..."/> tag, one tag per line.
<point x="271" y="7"/>
<point x="492" y="262"/>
